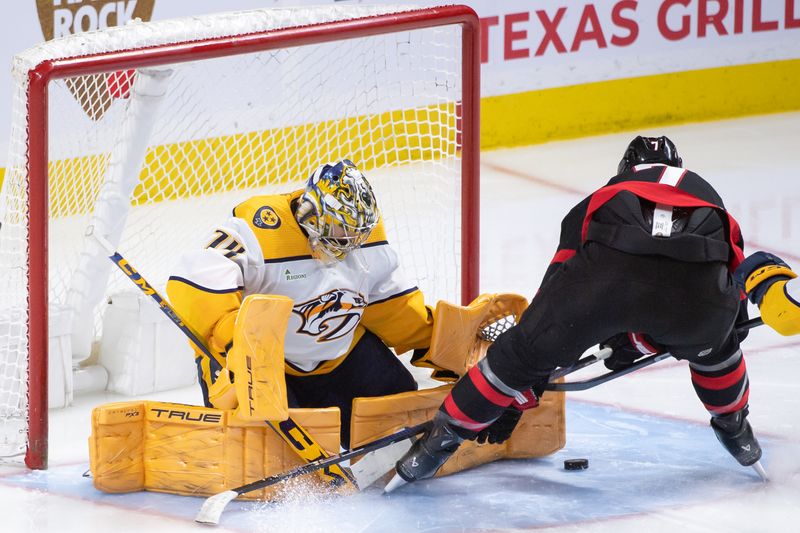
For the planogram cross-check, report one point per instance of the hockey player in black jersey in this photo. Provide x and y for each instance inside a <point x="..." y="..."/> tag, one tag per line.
<point x="643" y="265"/>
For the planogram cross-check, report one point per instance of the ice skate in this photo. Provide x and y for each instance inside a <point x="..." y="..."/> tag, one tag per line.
<point x="734" y="432"/>
<point x="427" y="455"/>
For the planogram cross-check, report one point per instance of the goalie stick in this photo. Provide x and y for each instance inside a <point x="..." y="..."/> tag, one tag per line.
<point x="212" y="508"/>
<point x="298" y="439"/>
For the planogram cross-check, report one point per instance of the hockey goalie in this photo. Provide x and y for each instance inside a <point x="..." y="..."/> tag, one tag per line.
<point x="302" y="305"/>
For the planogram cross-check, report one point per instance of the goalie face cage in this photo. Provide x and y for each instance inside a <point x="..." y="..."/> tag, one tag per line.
<point x="252" y="103"/>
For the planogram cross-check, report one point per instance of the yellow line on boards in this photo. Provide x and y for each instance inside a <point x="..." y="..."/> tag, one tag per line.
<point x="240" y="161"/>
<point x="248" y="160"/>
<point x="617" y="105"/>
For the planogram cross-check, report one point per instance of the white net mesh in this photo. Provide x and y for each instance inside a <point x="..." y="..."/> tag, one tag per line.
<point x="153" y="158"/>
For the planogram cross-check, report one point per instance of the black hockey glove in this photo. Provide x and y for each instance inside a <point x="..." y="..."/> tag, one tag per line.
<point x="501" y="429"/>
<point x="627" y="348"/>
<point x="756" y="274"/>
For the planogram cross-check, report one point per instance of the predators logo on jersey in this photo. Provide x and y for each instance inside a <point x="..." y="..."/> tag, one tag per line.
<point x="266" y="218"/>
<point x="331" y="315"/>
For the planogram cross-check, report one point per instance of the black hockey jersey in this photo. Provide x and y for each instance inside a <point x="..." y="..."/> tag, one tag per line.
<point x="654" y="210"/>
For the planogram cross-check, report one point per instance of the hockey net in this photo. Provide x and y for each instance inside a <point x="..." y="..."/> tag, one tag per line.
<point x="149" y="135"/>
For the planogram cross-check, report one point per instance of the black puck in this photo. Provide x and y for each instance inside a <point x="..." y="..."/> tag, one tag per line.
<point x="576" y="464"/>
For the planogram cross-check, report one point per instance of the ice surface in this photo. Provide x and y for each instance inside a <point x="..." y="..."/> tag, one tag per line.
<point x="654" y="462"/>
<point x="639" y="463"/>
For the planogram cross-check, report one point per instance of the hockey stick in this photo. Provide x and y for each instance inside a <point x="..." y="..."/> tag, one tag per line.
<point x="647" y="361"/>
<point x="599" y="355"/>
<point x="642" y="363"/>
<point x="212" y="508"/>
<point x="298" y="439"/>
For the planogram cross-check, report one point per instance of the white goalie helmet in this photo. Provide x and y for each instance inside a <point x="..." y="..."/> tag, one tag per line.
<point x="338" y="210"/>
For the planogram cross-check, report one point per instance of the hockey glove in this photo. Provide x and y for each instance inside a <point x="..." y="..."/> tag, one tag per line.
<point x="501" y="429"/>
<point x="758" y="272"/>
<point x="627" y="348"/>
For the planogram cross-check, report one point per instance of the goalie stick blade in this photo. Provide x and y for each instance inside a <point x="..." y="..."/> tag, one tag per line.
<point x="213" y="507"/>
<point x="377" y="464"/>
<point x="211" y="510"/>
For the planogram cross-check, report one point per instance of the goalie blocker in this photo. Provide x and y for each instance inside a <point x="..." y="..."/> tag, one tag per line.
<point x="203" y="451"/>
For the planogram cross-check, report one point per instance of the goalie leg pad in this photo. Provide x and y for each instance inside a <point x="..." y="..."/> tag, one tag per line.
<point x="540" y="431"/>
<point x="194" y="451"/>
<point x="256" y="358"/>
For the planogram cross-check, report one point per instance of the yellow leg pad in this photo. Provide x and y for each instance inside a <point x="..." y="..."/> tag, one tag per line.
<point x="116" y="447"/>
<point x="541" y="431"/>
<point x="456" y="343"/>
<point x="256" y="358"/>
<point x="196" y="451"/>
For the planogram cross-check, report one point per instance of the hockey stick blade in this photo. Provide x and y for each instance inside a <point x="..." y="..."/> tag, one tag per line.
<point x="373" y="466"/>
<point x="211" y="510"/>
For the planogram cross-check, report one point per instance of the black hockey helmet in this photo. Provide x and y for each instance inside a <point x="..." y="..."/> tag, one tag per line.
<point x="649" y="150"/>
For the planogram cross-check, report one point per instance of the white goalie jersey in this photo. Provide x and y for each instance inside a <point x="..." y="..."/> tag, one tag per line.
<point x="262" y="250"/>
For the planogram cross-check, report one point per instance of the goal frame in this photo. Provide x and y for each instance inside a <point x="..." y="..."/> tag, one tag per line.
<point x="37" y="154"/>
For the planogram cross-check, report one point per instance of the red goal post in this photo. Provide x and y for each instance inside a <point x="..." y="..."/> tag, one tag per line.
<point x="38" y="202"/>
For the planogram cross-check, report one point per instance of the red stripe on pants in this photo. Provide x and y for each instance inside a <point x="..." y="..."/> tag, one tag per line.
<point x="720" y="382"/>
<point x="457" y="414"/>
<point x="724" y="410"/>
<point x="486" y="389"/>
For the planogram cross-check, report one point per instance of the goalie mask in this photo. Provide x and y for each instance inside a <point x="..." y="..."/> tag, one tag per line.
<point x="338" y="210"/>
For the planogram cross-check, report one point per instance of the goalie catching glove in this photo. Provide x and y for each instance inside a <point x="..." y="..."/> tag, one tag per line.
<point x="765" y="277"/>
<point x="462" y="334"/>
